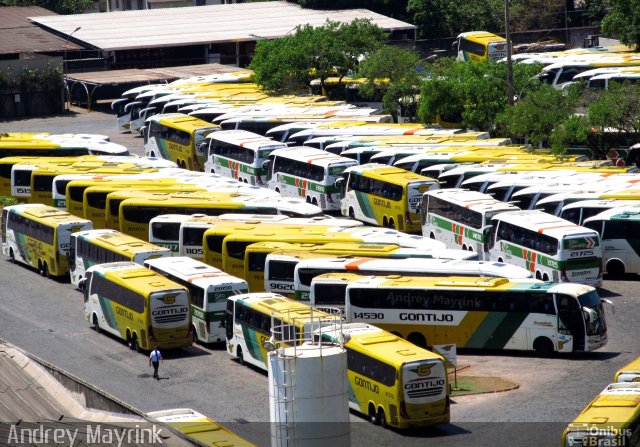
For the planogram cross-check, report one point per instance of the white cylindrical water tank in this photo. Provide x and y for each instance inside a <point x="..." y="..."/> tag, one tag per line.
<point x="308" y="396"/>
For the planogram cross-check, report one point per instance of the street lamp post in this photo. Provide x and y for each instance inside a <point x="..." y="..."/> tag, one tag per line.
<point x="510" y="91"/>
<point x="64" y="66"/>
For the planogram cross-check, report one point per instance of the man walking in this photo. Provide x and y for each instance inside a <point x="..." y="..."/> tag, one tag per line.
<point x="154" y="360"/>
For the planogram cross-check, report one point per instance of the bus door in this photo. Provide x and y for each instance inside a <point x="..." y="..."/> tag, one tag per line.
<point x="229" y="319"/>
<point x="570" y="322"/>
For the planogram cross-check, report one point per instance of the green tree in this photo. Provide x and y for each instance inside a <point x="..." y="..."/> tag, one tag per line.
<point x="334" y="49"/>
<point x="612" y="119"/>
<point x="397" y="67"/>
<point x="58" y="6"/>
<point x="471" y="95"/>
<point x="444" y="18"/>
<point x="535" y="116"/>
<point x="623" y="20"/>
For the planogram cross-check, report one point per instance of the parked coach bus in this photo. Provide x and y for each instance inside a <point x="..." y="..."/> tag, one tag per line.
<point x="39" y="236"/>
<point x="481" y="313"/>
<point x="139" y="306"/>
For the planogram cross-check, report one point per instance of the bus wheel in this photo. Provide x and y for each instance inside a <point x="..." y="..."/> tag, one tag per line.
<point x="352" y="214"/>
<point x="385" y="223"/>
<point x="373" y="417"/>
<point x="501" y="260"/>
<point x="240" y="356"/>
<point x="213" y="171"/>
<point x="432" y="236"/>
<point x="417" y="339"/>
<point x="545" y="277"/>
<point x="134" y="343"/>
<point x="314" y="201"/>
<point x="194" y="335"/>
<point x="392" y="223"/>
<point x="308" y="199"/>
<point x="615" y="269"/>
<point x="152" y="154"/>
<point x="464" y="247"/>
<point x="278" y="190"/>
<point x="96" y="325"/>
<point x="538" y="275"/>
<point x="381" y="418"/>
<point x="44" y="270"/>
<point x="543" y="347"/>
<point x="12" y="256"/>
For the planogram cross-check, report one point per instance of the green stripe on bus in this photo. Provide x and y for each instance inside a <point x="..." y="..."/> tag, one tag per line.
<point x="446" y="225"/>
<point x="485" y="330"/>
<point x="251" y="339"/>
<point x="635" y="245"/>
<point x="530" y="256"/>
<point x="164" y="151"/>
<point x="503" y="333"/>
<point x="107" y="311"/>
<point x="365" y="205"/>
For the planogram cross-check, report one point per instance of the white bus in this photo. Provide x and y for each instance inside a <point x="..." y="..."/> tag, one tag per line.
<point x="481" y="313"/>
<point x="619" y="229"/>
<point x="239" y="154"/>
<point x="307" y="173"/>
<point x="307" y="269"/>
<point x="91" y="247"/>
<point x="555" y="249"/>
<point x="578" y="212"/>
<point x="165" y="230"/>
<point x="460" y="218"/>
<point x="208" y="288"/>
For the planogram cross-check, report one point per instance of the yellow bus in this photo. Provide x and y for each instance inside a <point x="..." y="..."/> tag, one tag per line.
<point x="480" y="46"/>
<point x="74" y="189"/>
<point x="137" y="305"/>
<point x="59" y="145"/>
<point x="199" y="427"/>
<point x="41" y="183"/>
<point x="91" y="247"/>
<point x="384" y="195"/>
<point x="179" y="138"/>
<point x="95" y="197"/>
<point x="611" y="419"/>
<point x="134" y="214"/>
<point x="251" y="319"/>
<point x="393" y="382"/>
<point x="481" y="313"/>
<point x="629" y="372"/>
<point x="39" y="236"/>
<point x="7" y="163"/>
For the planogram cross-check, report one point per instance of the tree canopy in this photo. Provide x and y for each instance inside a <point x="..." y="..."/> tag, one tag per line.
<point x="334" y="49"/>
<point x="623" y="20"/>
<point x="471" y="95"/>
<point x="394" y="72"/>
<point x="611" y="119"/>
<point x="58" y="6"/>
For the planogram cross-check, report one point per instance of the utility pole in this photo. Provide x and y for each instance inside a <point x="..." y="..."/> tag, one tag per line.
<point x="510" y="92"/>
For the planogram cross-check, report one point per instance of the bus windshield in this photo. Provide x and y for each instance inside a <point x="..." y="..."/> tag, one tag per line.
<point x="593" y="313"/>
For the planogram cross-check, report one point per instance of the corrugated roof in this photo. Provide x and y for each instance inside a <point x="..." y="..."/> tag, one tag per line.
<point x="19" y="35"/>
<point x="149" y="75"/>
<point x="121" y="30"/>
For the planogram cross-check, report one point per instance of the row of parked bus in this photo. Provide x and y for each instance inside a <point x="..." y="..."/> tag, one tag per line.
<point x="172" y="300"/>
<point x="117" y="295"/>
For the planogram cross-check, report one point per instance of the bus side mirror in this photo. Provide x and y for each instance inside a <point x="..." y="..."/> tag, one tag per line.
<point x="610" y="303"/>
<point x="589" y="315"/>
<point x="339" y="182"/>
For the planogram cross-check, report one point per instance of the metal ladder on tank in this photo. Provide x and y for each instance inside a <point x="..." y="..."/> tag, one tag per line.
<point x="285" y="392"/>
